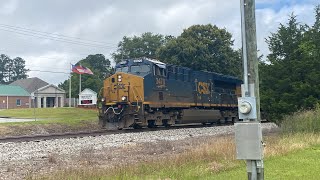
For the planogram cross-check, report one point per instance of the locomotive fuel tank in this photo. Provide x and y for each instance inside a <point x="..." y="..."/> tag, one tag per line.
<point x="199" y="116"/>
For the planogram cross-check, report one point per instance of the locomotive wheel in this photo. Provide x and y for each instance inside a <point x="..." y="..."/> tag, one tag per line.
<point x="136" y="126"/>
<point x="165" y="123"/>
<point x="218" y="122"/>
<point x="151" y="124"/>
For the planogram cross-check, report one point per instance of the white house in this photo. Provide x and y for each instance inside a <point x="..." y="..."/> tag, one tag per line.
<point x="87" y="97"/>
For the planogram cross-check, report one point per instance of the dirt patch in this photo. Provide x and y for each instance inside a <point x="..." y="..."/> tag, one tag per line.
<point x="5" y="130"/>
<point x="35" y="129"/>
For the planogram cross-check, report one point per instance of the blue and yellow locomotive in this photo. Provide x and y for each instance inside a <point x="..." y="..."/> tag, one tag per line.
<point x="148" y="93"/>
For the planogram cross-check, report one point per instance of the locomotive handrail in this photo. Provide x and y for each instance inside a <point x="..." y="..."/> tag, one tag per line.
<point x="113" y="110"/>
<point x="136" y="98"/>
<point x="138" y="93"/>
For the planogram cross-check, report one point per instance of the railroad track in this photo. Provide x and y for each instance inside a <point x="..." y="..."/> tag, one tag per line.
<point x="43" y="137"/>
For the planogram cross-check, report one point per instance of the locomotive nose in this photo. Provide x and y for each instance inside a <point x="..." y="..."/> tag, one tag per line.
<point x="119" y="88"/>
<point x="123" y="88"/>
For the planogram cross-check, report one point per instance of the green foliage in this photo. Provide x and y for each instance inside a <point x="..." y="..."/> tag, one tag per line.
<point x="203" y="47"/>
<point x="145" y="45"/>
<point x="290" y="80"/>
<point x="99" y="65"/>
<point x="12" y="69"/>
<point x="200" y="47"/>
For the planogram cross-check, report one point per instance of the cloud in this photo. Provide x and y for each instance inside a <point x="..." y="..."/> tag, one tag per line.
<point x="55" y="72"/>
<point x="105" y="22"/>
<point x="268" y="21"/>
<point x="8" y="7"/>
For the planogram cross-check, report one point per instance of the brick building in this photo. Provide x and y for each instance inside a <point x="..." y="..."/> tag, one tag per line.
<point x="44" y="94"/>
<point x="12" y="97"/>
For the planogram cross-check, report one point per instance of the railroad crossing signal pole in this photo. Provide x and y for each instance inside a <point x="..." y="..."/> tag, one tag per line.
<point x="248" y="133"/>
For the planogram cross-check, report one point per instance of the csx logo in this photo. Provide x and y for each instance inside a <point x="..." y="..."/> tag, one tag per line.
<point x="160" y="82"/>
<point x="203" y="88"/>
<point x="119" y="86"/>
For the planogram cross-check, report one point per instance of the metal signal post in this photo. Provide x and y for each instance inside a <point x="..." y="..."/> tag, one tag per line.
<point x="248" y="133"/>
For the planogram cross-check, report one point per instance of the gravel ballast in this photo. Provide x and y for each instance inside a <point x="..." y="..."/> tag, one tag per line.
<point x="14" y="156"/>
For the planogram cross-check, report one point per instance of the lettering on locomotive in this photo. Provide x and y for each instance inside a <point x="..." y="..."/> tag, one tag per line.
<point x="160" y="82"/>
<point x="203" y="88"/>
<point x="119" y="86"/>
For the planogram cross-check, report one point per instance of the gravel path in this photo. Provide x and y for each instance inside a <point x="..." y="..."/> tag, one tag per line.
<point x="14" y="156"/>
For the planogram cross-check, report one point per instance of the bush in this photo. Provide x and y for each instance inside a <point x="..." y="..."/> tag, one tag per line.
<point x="302" y="122"/>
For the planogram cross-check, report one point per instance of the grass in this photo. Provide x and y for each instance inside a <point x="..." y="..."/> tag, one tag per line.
<point x="293" y="154"/>
<point x="214" y="159"/>
<point x="70" y="116"/>
<point x="302" y="164"/>
<point x="305" y="121"/>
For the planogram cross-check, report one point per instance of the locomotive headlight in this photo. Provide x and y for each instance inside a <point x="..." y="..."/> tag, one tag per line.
<point x="119" y="78"/>
<point x="123" y="98"/>
<point x="103" y="99"/>
<point x="245" y="107"/>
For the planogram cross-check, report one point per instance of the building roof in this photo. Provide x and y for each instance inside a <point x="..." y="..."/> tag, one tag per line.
<point x="10" y="90"/>
<point x="51" y="85"/>
<point x="30" y="84"/>
<point x="88" y="91"/>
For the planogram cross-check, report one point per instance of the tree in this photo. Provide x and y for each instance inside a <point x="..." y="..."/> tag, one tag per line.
<point x="4" y="59"/>
<point x="99" y="65"/>
<point x="203" y="47"/>
<point x="290" y="80"/>
<point x="19" y="70"/>
<point x="145" y="45"/>
<point x="12" y="69"/>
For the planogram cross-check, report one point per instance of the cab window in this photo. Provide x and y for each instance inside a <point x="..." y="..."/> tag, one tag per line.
<point x="160" y="71"/>
<point x="140" y="69"/>
<point x="122" y="69"/>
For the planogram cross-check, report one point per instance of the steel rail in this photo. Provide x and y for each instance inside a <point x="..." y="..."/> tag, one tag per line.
<point x="43" y="137"/>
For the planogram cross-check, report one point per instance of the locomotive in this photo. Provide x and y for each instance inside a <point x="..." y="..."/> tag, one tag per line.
<point x="145" y="92"/>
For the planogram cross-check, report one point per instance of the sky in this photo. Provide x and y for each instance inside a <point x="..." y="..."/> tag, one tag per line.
<point x="50" y="35"/>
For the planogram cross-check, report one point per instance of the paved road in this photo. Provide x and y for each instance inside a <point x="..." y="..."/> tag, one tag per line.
<point x="6" y="120"/>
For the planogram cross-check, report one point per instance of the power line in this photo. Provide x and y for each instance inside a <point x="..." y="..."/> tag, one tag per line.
<point x="76" y="55"/>
<point x="26" y="33"/>
<point x="49" y="71"/>
<point x="44" y="67"/>
<point x="57" y="39"/>
<point x="54" y="34"/>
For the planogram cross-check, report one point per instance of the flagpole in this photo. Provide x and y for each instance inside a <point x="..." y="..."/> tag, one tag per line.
<point x="70" y="88"/>
<point x="80" y="85"/>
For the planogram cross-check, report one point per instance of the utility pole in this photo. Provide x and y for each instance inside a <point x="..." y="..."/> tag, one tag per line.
<point x="251" y="43"/>
<point x="248" y="133"/>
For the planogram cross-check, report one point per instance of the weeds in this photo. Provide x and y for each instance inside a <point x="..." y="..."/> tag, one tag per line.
<point x="302" y="122"/>
<point x="213" y="156"/>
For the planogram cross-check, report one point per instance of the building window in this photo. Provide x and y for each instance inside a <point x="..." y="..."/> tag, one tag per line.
<point x="18" y="102"/>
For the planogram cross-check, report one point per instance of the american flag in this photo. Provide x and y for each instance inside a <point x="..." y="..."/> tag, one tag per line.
<point x="81" y="69"/>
